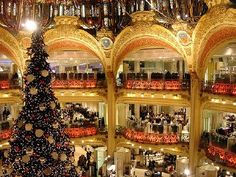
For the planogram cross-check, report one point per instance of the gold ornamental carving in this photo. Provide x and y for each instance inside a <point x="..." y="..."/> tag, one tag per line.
<point x="11" y="47"/>
<point x="143" y="34"/>
<point x="66" y="35"/>
<point x="210" y="32"/>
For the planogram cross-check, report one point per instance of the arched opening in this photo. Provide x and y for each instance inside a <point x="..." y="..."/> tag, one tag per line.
<point x="157" y="68"/>
<point x="10" y="74"/>
<point x="76" y="69"/>
<point x="220" y="74"/>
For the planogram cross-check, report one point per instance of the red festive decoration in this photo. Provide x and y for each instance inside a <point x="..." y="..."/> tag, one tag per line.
<point x="223" y="88"/>
<point x="221" y="156"/>
<point x="151" y="138"/>
<point x="154" y="84"/>
<point x="4" y="84"/>
<point x="71" y="132"/>
<point x="74" y="84"/>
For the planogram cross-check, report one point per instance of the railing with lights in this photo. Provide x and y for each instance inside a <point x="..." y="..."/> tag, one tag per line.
<point x="7" y="82"/>
<point x="223" y="88"/>
<point x="97" y="14"/>
<point x="219" y="148"/>
<point x="71" y="132"/>
<point x="158" y="81"/>
<point x="153" y="138"/>
<point x="79" y="80"/>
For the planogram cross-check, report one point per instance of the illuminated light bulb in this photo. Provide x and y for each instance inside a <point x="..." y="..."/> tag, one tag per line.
<point x="62" y="93"/>
<point x="5" y="95"/>
<point x="83" y="94"/>
<point x="150" y="149"/>
<point x="132" y="145"/>
<point x="223" y="102"/>
<point x="73" y="142"/>
<point x="82" y="141"/>
<point x="187" y="172"/>
<point x="73" y="94"/>
<point x="212" y="100"/>
<point x="30" y="25"/>
<point x="152" y="96"/>
<point x="175" y="97"/>
<point x="164" y="96"/>
<point x="162" y="149"/>
<point x="142" y="95"/>
<point x="140" y="147"/>
<point x="234" y="103"/>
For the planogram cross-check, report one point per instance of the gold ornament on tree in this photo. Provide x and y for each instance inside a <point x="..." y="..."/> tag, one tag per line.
<point x="28" y="127"/>
<point x="42" y="160"/>
<point x="63" y="157"/>
<point x="39" y="133"/>
<point x="47" y="171"/>
<point x="52" y="105"/>
<point x="6" y="154"/>
<point x="42" y="107"/>
<point x="55" y="125"/>
<point x="26" y="158"/>
<point x="29" y="151"/>
<point x="51" y="140"/>
<point x="30" y="77"/>
<point x="44" y="73"/>
<point x="54" y="155"/>
<point x="33" y="91"/>
<point x="20" y="123"/>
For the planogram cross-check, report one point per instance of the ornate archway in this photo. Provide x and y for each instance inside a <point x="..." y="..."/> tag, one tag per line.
<point x="141" y="36"/>
<point x="65" y="37"/>
<point x="10" y="47"/>
<point x="212" y="33"/>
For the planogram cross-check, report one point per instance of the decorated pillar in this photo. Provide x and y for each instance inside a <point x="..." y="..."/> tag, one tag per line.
<point x="111" y="102"/>
<point x="195" y="123"/>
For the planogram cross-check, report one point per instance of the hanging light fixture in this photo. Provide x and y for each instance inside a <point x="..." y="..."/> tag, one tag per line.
<point x="18" y="14"/>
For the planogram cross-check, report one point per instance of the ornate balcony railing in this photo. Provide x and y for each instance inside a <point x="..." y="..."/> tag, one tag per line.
<point x="152" y="138"/>
<point x="96" y="14"/>
<point x="219" y="148"/>
<point x="154" y="83"/>
<point x="79" y="80"/>
<point x="222" y="88"/>
<point x="71" y="132"/>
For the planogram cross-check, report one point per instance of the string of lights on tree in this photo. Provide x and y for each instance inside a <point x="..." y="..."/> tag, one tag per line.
<point x="39" y="145"/>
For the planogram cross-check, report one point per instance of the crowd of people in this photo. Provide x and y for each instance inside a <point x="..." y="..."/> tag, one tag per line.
<point x="75" y="115"/>
<point x="149" y="122"/>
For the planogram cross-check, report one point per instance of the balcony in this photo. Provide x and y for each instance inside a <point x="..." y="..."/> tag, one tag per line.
<point x="221" y="88"/>
<point x="157" y="81"/>
<point x="78" y="80"/>
<point x="219" y="148"/>
<point x="7" y="82"/>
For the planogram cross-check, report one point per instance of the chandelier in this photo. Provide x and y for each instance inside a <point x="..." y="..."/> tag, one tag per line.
<point x="113" y="15"/>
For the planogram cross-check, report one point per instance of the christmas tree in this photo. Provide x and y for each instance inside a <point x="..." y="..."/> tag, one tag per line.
<point x="39" y="146"/>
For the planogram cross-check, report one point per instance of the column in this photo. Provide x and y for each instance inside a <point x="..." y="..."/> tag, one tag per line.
<point x="195" y="123"/>
<point x="111" y="113"/>
<point x="137" y="111"/>
<point x="137" y="66"/>
<point x="121" y="114"/>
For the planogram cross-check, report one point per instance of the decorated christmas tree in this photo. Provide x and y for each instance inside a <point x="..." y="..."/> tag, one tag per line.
<point x="39" y="146"/>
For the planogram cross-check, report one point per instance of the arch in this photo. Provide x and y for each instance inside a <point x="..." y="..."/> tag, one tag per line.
<point x="135" y="37"/>
<point x="212" y="33"/>
<point x="10" y="47"/>
<point x="62" y="38"/>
